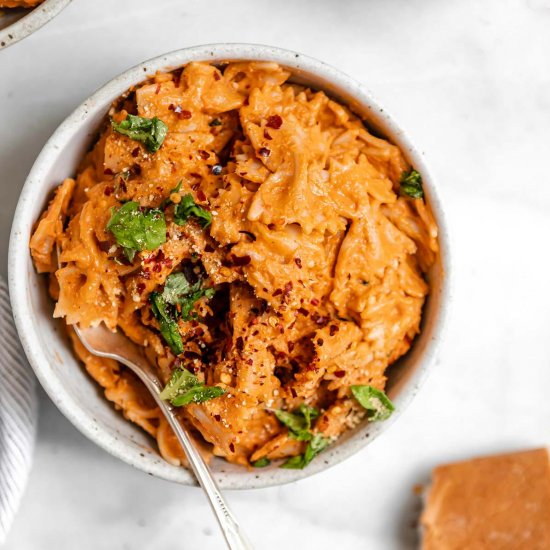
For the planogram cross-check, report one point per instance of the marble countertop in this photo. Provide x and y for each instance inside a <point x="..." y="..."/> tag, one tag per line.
<point x="471" y="82"/>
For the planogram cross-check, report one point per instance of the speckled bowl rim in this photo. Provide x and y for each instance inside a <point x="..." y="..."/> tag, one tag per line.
<point x="18" y="260"/>
<point x="32" y="21"/>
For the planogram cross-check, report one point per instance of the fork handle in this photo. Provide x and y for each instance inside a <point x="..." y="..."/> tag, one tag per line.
<point x="234" y="535"/>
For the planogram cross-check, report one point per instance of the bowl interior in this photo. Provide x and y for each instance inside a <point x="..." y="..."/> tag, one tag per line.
<point x="44" y="339"/>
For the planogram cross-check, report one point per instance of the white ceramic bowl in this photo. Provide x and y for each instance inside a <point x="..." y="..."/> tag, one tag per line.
<point x="43" y="338"/>
<point x="16" y="24"/>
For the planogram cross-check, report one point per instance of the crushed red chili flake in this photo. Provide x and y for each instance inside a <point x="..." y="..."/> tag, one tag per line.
<point x="264" y="152"/>
<point x="200" y="195"/>
<point x="177" y="77"/>
<point x="303" y="311"/>
<point x="320" y="341"/>
<point x="288" y="288"/>
<point x="241" y="260"/>
<point x="274" y="121"/>
<point x="232" y="447"/>
<point x="290" y="347"/>
<point x="239" y="344"/>
<point x="217" y="418"/>
<point x="319" y="320"/>
<point x="108" y="190"/>
<point x="108" y="172"/>
<point x="340" y="373"/>
<point x="293" y="392"/>
<point x="184" y="115"/>
<point x="157" y="268"/>
<point x="204" y="154"/>
<point x="140" y="287"/>
<point x="333" y="329"/>
<point x="271" y="226"/>
<point x="298" y="262"/>
<point x="249" y="362"/>
<point x="208" y="248"/>
<point x="277" y="292"/>
<point x="266" y="135"/>
<point x="157" y="89"/>
<point x="171" y="107"/>
<point x="135" y="152"/>
<point x="216" y="75"/>
<point x="314" y="302"/>
<point x="122" y="186"/>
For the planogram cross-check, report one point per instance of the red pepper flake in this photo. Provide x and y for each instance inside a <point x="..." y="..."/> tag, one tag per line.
<point x="293" y="392"/>
<point x="266" y="135"/>
<point x="158" y="89"/>
<point x="135" y="152"/>
<point x="157" y="268"/>
<point x="241" y="260"/>
<point x="319" y="319"/>
<point x="298" y="262"/>
<point x="171" y="107"/>
<point x="108" y="190"/>
<point x="278" y="292"/>
<point x="274" y="121"/>
<point x="140" y="287"/>
<point x="314" y="302"/>
<point x="264" y="152"/>
<point x="200" y="195"/>
<point x="271" y="226"/>
<point x="340" y="373"/>
<point x="333" y="329"/>
<point x="122" y="186"/>
<point x="184" y="115"/>
<point x="239" y="344"/>
<point x="232" y="447"/>
<point x="217" y="418"/>
<point x="290" y="347"/>
<point x="205" y="155"/>
<point x="208" y="248"/>
<point x="249" y="362"/>
<point x="108" y="172"/>
<point x="177" y="77"/>
<point x="217" y="75"/>
<point x="320" y="341"/>
<point x="288" y="288"/>
<point x="303" y="311"/>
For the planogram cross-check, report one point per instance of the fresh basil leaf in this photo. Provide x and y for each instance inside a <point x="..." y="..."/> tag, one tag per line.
<point x="261" y="462"/>
<point x="411" y="184"/>
<point x="198" y="394"/>
<point x="215" y="122"/>
<point x="149" y="131"/>
<point x="187" y="208"/>
<point x="298" y="422"/>
<point x="316" y="445"/>
<point x="181" y="381"/>
<point x="178" y="291"/>
<point x="136" y="228"/>
<point x="168" y="325"/>
<point x="184" y="388"/>
<point x="374" y="400"/>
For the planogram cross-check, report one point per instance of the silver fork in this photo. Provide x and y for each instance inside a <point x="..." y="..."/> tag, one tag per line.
<point x="115" y="345"/>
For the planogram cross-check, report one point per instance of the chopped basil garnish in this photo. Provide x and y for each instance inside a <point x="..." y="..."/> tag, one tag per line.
<point x="187" y="208"/>
<point x="149" y="131"/>
<point x="411" y="184"/>
<point x="165" y="315"/>
<point x="375" y="401"/>
<point x="317" y="444"/>
<point x="178" y="291"/>
<point x="137" y="228"/>
<point x="215" y="122"/>
<point x="184" y="388"/>
<point x="261" y="462"/>
<point x="298" y="422"/>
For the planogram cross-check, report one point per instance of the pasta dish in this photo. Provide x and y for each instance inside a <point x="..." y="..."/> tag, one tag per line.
<point x="267" y="251"/>
<point x="19" y="3"/>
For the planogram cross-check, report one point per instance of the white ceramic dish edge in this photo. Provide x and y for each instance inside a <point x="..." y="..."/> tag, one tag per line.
<point x="31" y="21"/>
<point x="87" y="115"/>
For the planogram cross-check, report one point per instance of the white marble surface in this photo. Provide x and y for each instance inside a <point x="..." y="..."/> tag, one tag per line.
<point x="471" y="82"/>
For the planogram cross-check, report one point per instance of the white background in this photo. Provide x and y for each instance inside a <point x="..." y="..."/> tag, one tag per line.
<point x="470" y="80"/>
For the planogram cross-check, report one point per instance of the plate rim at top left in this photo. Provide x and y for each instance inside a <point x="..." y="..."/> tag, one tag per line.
<point x="31" y="21"/>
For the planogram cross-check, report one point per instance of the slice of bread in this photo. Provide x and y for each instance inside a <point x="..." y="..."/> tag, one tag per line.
<point x="499" y="502"/>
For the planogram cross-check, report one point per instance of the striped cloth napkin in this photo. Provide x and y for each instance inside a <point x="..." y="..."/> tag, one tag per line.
<point x="17" y="416"/>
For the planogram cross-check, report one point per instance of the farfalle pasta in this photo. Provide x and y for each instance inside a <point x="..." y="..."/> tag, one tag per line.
<point x="265" y="249"/>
